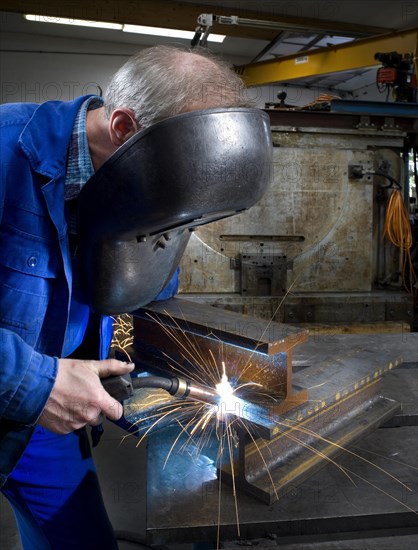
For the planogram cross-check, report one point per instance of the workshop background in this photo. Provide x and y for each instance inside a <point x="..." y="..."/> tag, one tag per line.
<point x="344" y="123"/>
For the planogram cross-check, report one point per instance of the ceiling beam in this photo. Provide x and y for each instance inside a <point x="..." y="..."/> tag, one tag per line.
<point x="175" y="15"/>
<point x="358" y="54"/>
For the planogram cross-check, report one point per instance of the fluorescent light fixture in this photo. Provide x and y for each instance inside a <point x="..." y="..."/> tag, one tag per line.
<point x="172" y="33"/>
<point x="75" y="22"/>
<point x="139" y="29"/>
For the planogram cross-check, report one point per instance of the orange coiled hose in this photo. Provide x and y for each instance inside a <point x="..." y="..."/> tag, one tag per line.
<point x="398" y="230"/>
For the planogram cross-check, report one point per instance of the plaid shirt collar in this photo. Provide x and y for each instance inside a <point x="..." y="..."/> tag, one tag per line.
<point x="79" y="164"/>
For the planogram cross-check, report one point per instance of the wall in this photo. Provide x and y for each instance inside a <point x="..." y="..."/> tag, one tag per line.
<point x="51" y="68"/>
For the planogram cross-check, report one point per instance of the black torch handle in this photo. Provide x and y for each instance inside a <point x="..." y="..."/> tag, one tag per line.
<point x="119" y="387"/>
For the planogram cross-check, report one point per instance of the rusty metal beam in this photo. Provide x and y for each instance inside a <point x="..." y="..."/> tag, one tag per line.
<point x="358" y="54"/>
<point x="253" y="349"/>
<point x="178" y="15"/>
<point x="268" y="469"/>
<point x="229" y="327"/>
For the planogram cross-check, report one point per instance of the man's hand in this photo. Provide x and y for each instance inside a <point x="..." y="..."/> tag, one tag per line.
<point x="78" y="397"/>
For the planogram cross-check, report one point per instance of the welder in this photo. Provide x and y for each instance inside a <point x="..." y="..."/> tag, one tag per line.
<point x="54" y="337"/>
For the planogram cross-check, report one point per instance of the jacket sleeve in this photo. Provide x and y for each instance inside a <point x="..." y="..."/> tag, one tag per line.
<point x="27" y="379"/>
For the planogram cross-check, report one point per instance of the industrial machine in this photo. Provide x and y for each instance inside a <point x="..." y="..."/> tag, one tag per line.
<point x="312" y="249"/>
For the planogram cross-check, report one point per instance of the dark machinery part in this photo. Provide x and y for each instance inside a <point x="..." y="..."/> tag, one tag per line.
<point x="123" y="387"/>
<point x="357" y="171"/>
<point x="281" y="96"/>
<point x="397" y="74"/>
<point x="137" y="211"/>
<point x="200" y="37"/>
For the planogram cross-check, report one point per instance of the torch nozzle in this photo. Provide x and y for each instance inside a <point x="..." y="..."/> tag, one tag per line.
<point x="178" y="387"/>
<point x="186" y="388"/>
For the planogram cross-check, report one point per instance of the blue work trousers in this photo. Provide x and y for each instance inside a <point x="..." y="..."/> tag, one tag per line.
<point x="55" y="495"/>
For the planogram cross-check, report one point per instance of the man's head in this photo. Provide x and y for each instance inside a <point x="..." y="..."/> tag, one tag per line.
<point x="199" y="154"/>
<point x="165" y="81"/>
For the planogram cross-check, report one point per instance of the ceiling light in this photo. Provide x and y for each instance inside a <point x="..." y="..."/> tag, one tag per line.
<point x="172" y="33"/>
<point x="75" y="22"/>
<point x="139" y="29"/>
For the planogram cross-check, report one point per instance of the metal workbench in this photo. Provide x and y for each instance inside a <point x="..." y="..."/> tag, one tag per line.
<point x="369" y="509"/>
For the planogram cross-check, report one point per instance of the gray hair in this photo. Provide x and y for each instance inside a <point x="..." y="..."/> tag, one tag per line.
<point x="163" y="81"/>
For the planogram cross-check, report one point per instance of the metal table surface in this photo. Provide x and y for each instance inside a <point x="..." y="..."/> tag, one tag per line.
<point x="186" y="503"/>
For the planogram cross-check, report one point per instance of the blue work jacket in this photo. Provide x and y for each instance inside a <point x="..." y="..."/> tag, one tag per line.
<point x="37" y="323"/>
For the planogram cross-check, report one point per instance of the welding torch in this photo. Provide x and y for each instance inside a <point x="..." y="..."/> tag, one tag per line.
<point x="123" y="387"/>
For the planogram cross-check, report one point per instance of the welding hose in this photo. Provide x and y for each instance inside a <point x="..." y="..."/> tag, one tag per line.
<point x="174" y="386"/>
<point x="122" y="387"/>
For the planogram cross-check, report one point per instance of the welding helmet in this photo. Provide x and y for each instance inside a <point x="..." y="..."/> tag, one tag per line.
<point x="137" y="212"/>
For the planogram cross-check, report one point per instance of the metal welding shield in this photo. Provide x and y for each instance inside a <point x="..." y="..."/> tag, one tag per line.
<point x="137" y="212"/>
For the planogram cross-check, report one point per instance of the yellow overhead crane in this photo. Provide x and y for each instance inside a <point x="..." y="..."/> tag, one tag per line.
<point x="358" y="54"/>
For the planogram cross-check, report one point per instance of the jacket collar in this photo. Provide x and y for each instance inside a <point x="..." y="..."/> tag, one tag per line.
<point x="46" y="136"/>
